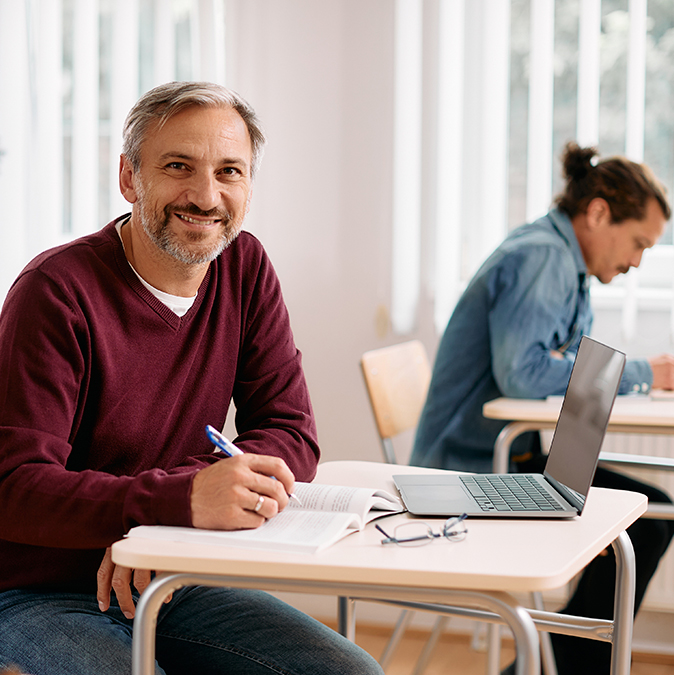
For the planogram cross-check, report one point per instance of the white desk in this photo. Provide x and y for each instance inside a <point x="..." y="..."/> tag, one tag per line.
<point x="630" y="415"/>
<point x="496" y="559"/>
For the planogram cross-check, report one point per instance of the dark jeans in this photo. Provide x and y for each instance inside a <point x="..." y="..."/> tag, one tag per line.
<point x="595" y="591"/>
<point x="202" y="630"/>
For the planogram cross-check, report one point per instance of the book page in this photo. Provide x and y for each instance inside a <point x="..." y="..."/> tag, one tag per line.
<point x="336" y="498"/>
<point x="298" y="531"/>
<point x="301" y="529"/>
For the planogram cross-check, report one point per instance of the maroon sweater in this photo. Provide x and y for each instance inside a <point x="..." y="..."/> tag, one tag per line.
<point x="105" y="394"/>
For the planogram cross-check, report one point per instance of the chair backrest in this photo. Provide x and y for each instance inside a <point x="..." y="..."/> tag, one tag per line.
<point x="397" y="380"/>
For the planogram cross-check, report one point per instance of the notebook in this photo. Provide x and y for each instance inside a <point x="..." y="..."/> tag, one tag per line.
<point x="561" y="490"/>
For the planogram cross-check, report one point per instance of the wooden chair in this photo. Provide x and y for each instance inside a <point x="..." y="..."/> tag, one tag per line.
<point x="397" y="380"/>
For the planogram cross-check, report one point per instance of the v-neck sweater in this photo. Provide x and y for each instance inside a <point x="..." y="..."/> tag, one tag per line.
<point x="105" y="394"/>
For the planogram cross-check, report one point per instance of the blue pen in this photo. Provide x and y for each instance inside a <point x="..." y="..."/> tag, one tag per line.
<point x="221" y="442"/>
<point x="226" y="446"/>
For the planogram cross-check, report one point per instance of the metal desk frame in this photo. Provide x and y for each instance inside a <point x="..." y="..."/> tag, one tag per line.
<point x="492" y="607"/>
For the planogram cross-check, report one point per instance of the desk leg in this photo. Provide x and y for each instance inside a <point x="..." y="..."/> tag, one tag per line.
<point x="623" y="613"/>
<point x="497" y="604"/>
<point x="524" y="631"/>
<point x="494" y="649"/>
<point x="504" y="440"/>
<point x="145" y="621"/>
<point x="346" y="618"/>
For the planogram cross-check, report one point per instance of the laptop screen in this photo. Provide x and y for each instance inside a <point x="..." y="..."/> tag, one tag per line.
<point x="585" y="413"/>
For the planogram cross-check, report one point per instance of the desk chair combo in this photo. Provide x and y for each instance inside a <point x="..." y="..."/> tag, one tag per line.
<point x="397" y="380"/>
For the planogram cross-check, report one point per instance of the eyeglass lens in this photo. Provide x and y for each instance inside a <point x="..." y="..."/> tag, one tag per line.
<point x="413" y="534"/>
<point x="418" y="534"/>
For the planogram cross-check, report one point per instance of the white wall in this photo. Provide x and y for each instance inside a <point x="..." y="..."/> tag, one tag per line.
<point x="320" y="77"/>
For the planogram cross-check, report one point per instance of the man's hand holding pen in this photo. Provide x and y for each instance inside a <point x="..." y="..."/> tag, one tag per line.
<point x="226" y="446"/>
<point x="240" y="492"/>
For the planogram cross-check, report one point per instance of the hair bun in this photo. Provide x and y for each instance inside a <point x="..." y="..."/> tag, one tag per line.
<point x="577" y="161"/>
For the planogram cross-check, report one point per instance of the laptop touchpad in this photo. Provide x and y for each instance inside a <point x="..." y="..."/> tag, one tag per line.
<point x="434" y="494"/>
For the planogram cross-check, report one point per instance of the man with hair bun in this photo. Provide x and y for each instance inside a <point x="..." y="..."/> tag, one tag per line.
<point x="515" y="332"/>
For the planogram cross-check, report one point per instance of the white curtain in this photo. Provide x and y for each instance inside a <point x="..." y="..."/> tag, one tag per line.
<point x="70" y="70"/>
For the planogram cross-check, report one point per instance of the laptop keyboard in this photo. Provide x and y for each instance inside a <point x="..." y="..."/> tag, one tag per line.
<point x="516" y="492"/>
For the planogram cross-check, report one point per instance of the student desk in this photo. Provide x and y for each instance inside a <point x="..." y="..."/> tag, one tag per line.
<point x="476" y="576"/>
<point x="632" y="414"/>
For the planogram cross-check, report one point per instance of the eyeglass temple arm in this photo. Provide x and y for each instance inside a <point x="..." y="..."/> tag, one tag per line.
<point x="389" y="539"/>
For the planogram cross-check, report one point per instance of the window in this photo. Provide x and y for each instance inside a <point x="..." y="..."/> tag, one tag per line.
<point x="513" y="83"/>
<point x="75" y="68"/>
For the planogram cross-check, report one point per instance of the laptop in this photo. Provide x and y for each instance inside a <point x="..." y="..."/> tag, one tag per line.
<point x="561" y="490"/>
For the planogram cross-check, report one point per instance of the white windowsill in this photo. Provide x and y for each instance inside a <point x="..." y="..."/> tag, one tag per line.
<point x="650" y="299"/>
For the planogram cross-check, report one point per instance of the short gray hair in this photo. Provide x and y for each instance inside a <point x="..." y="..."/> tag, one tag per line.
<point x="166" y="100"/>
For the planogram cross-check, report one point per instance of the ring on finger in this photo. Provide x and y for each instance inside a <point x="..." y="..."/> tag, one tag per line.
<point x="258" y="506"/>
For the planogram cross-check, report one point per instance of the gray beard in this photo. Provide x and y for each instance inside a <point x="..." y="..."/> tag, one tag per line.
<point x="158" y="230"/>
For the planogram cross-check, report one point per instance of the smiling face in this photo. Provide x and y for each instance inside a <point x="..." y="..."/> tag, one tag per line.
<point x="610" y="249"/>
<point x="193" y="187"/>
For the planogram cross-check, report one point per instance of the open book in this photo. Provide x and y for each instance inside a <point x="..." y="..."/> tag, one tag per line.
<point x="328" y="514"/>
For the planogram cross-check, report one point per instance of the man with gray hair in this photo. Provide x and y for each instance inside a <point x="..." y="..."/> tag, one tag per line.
<point x="117" y="350"/>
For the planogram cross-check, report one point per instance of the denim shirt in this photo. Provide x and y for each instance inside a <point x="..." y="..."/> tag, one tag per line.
<point x="514" y="332"/>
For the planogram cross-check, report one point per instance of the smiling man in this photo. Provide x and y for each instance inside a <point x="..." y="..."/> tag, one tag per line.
<point x="191" y="200"/>
<point x="515" y="332"/>
<point x="116" y="351"/>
